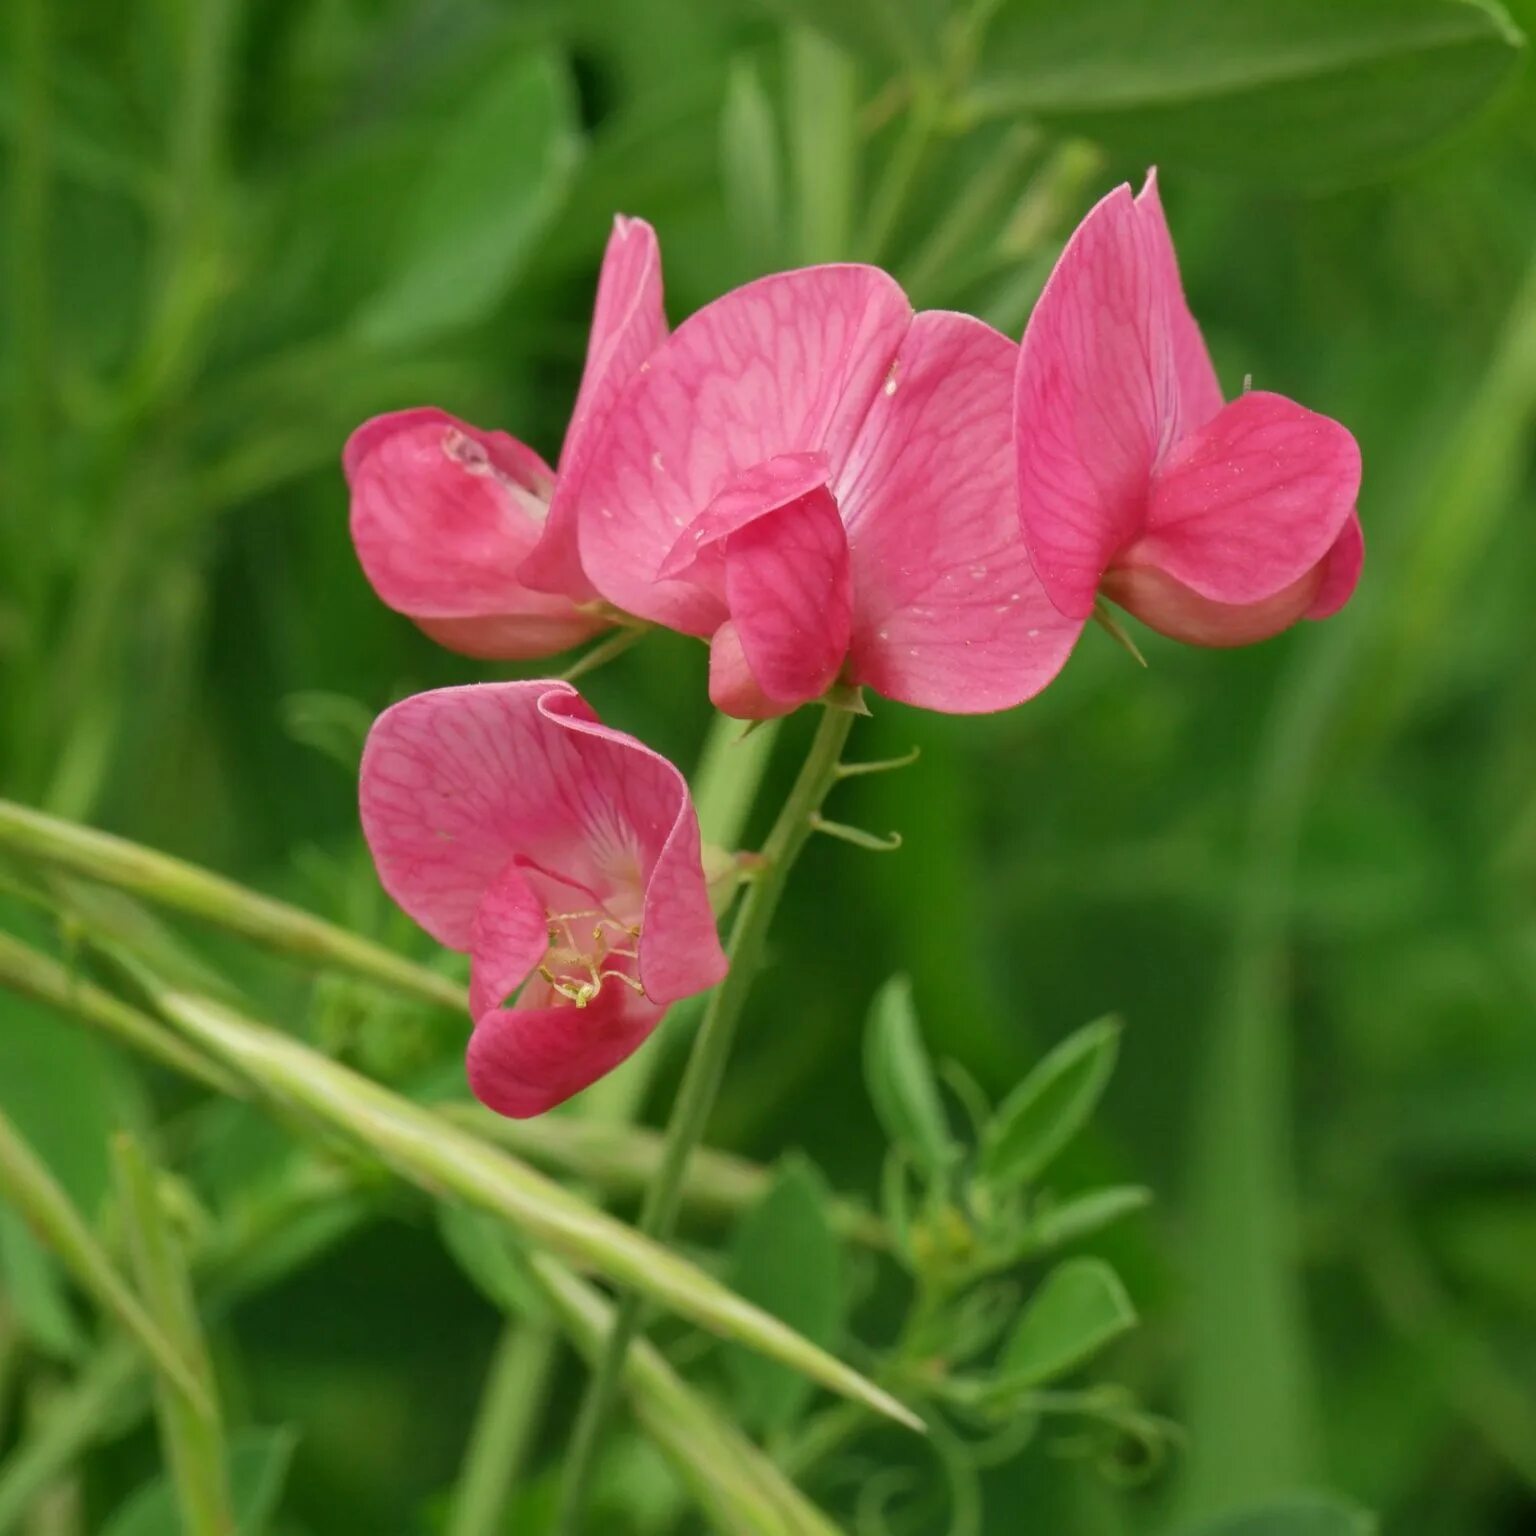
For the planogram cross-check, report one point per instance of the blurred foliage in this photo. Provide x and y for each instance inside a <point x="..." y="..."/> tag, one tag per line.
<point x="1304" y="875"/>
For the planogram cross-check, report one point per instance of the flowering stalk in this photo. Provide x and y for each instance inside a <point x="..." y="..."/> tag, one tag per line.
<point x="701" y="1084"/>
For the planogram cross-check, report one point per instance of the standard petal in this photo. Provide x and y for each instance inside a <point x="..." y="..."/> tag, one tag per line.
<point x="528" y="1058"/>
<point x="787" y="365"/>
<point x="1200" y="394"/>
<point x="441" y="515"/>
<point x="948" y="613"/>
<point x="509" y="936"/>
<point x="628" y="324"/>
<point x="1096" y="399"/>
<point x="457" y="782"/>
<point x="1341" y="571"/>
<point x="1250" y="503"/>
<point x="640" y="827"/>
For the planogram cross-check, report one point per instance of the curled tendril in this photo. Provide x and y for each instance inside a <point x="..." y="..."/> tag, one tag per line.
<point x="875" y="1496"/>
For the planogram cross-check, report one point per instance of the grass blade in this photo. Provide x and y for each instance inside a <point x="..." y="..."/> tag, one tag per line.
<point x="198" y="892"/>
<point x="193" y="1438"/>
<point x="28" y="1185"/>
<point x="438" y="1157"/>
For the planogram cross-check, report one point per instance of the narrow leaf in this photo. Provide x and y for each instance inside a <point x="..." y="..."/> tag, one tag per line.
<point x="752" y="169"/>
<point x="257" y="1471"/>
<point x="424" y="1149"/>
<point x="787" y="1259"/>
<point x="1051" y="1105"/>
<point x="1083" y="1215"/>
<point x="497" y="177"/>
<point x="1080" y="1306"/>
<point x="26" y="1184"/>
<point x="901" y="1081"/>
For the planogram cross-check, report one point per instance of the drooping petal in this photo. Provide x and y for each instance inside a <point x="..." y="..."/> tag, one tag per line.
<point x="787" y="365"/>
<point x="1341" y="571"/>
<point x="1199" y="389"/>
<point x="628" y="324"/>
<point x="1096" y="399"/>
<point x="1249" y="504"/>
<point x="528" y="1058"/>
<point x="948" y="613"/>
<point x="1179" y="612"/>
<point x="508" y="938"/>
<point x="442" y="513"/>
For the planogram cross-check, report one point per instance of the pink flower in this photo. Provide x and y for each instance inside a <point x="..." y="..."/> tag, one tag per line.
<point x="822" y="483"/>
<point x="1216" y="524"/>
<point x="469" y="533"/>
<point x="559" y="853"/>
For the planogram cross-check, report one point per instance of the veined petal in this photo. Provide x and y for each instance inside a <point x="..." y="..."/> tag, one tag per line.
<point x="787" y="365"/>
<point x="732" y="688"/>
<point x="441" y="515"/>
<point x="948" y="613"/>
<point x="628" y="324"/>
<point x="1341" y="571"/>
<point x="1096" y="399"/>
<point x="1252" y="502"/>
<point x="508" y="938"/>
<point x="536" y="1054"/>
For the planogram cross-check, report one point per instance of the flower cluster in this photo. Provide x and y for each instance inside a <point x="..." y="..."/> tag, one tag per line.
<point x="832" y="490"/>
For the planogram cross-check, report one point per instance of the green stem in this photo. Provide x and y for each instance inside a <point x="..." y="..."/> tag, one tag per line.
<point x="504" y="1428"/>
<point x="700" y="1085"/>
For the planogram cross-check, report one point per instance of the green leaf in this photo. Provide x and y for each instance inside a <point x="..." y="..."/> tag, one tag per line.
<point x="821" y="87"/>
<point x="32" y="1285"/>
<point x="787" y="1259"/>
<point x="1298" y="1514"/>
<point x="1051" y="1105"/>
<point x="485" y="1251"/>
<point x="258" y="1468"/>
<point x="751" y="168"/>
<point x="497" y="178"/>
<point x="901" y="1081"/>
<point x="1083" y="1215"/>
<point x="1309" y="92"/>
<point x="892" y="31"/>
<point x="1080" y="1306"/>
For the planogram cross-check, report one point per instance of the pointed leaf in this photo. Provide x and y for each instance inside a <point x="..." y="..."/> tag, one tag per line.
<point x="1080" y="1306"/>
<point x="1050" y="1106"/>
<point x="1083" y="1215"/>
<point x="787" y="1259"/>
<point x="901" y="1081"/>
<point x="752" y="168"/>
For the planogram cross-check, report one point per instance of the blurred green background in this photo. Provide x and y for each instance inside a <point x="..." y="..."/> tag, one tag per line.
<point x="1305" y="874"/>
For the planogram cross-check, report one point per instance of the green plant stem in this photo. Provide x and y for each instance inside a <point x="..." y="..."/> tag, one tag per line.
<point x="192" y="1436"/>
<point x="700" y="1085"/>
<point x="33" y="836"/>
<point x="505" y="1424"/>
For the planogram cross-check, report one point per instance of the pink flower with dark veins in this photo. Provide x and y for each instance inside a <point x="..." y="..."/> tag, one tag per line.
<point x="1218" y="524"/>
<point x="821" y="483"/>
<point x="562" y="856"/>
<point x="468" y="533"/>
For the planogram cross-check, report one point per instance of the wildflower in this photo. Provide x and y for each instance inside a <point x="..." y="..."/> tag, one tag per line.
<point x="468" y="532"/>
<point x="1218" y="524"/>
<point x="562" y="856"/>
<point x="821" y="483"/>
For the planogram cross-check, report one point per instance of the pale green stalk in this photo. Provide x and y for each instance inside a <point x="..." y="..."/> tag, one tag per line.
<point x="701" y="1084"/>
<point x="34" y="1192"/>
<point x="171" y="882"/>
<point x="424" y="1149"/>
<point x="192" y="1437"/>
<point x="735" y="1484"/>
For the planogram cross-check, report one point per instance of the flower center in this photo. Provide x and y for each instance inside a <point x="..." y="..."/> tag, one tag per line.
<point x="473" y="459"/>
<point x="586" y="949"/>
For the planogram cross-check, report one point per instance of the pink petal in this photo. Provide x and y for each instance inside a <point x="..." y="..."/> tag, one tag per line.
<point x="787" y="365"/>
<point x="1341" y="571"/>
<point x="1172" y="609"/>
<point x="441" y="515"/>
<point x="732" y="688"/>
<point x="528" y="1058"/>
<point x="628" y="324"/>
<point x="636" y="806"/>
<point x="1096" y="401"/>
<point x="1250" y="503"/>
<point x="948" y="613"/>
<point x="1200" y="394"/>
<point x="508" y="938"/>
